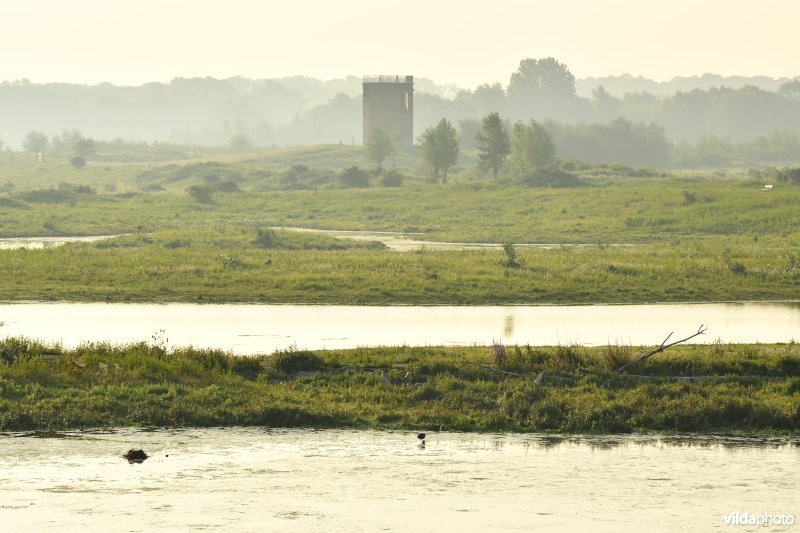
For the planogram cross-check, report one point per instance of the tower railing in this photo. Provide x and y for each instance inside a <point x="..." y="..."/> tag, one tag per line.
<point x="388" y="78"/>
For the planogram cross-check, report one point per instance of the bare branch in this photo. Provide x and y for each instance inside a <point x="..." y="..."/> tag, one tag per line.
<point x="700" y="331"/>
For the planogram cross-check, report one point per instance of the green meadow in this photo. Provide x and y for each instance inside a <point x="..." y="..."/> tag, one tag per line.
<point x="191" y="233"/>
<point x="228" y="264"/>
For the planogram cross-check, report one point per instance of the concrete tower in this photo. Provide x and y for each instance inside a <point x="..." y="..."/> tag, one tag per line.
<point x="389" y="106"/>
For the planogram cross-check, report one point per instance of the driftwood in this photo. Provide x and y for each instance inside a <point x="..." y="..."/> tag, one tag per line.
<point x="700" y="331"/>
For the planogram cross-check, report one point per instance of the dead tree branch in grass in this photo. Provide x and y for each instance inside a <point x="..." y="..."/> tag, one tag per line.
<point x="700" y="331"/>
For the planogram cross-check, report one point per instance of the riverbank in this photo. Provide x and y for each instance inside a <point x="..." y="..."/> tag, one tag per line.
<point x="733" y="389"/>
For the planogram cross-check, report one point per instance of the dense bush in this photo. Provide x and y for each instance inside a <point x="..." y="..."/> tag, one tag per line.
<point x="301" y="177"/>
<point x="295" y="361"/>
<point x="392" y="178"/>
<point x="788" y="175"/>
<point x="64" y="193"/>
<point x="354" y="177"/>
<point x="266" y="238"/>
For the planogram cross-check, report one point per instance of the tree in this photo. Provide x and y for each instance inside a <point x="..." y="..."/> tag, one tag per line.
<point x="533" y="148"/>
<point x="484" y="99"/>
<point x="66" y="141"/>
<point x="541" y="85"/>
<point x="239" y="142"/>
<point x="84" y="148"/>
<point x="439" y="146"/>
<point x="467" y="130"/>
<point x="380" y="146"/>
<point x="790" y="89"/>
<point x="605" y="104"/>
<point x="35" y="141"/>
<point x="494" y="143"/>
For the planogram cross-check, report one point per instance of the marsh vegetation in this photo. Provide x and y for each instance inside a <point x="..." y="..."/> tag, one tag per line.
<point x="567" y="389"/>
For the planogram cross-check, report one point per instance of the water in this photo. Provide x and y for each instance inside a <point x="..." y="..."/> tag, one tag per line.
<point x="396" y="241"/>
<point x="257" y="479"/>
<point x="407" y="242"/>
<point x="257" y="329"/>
<point x="38" y="243"/>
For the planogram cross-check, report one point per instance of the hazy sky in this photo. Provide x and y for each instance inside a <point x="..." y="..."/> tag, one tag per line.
<point x="466" y="42"/>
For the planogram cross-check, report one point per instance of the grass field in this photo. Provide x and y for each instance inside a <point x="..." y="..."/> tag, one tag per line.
<point x="194" y="229"/>
<point x="228" y="264"/>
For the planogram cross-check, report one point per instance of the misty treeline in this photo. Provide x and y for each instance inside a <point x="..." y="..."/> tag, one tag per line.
<point x="703" y="126"/>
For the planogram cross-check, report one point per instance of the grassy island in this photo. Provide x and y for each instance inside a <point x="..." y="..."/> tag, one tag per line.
<point x="717" y="388"/>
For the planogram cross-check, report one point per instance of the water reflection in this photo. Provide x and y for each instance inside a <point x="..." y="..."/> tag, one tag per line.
<point x="611" y="442"/>
<point x="497" y="441"/>
<point x="508" y="330"/>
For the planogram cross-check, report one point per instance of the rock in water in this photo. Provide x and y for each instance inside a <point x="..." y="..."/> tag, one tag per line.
<point x="135" y="456"/>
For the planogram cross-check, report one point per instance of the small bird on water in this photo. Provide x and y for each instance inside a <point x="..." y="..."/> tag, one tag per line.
<point x="135" y="456"/>
<point x="421" y="437"/>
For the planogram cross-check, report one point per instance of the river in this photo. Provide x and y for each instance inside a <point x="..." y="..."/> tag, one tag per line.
<point x="257" y="329"/>
<point x="257" y="479"/>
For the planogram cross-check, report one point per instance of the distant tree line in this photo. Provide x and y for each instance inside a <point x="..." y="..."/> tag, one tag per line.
<point x="544" y="90"/>
<point x="698" y="127"/>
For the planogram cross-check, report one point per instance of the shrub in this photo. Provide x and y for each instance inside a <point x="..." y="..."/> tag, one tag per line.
<point x="233" y="263"/>
<point x="12" y="204"/>
<point x="295" y="361"/>
<point x="78" y="162"/>
<point x="550" y="177"/>
<point x="200" y="194"/>
<point x="788" y="175"/>
<point x="392" y="179"/>
<point x="511" y="255"/>
<point x="616" y="355"/>
<point x="65" y="193"/>
<point x="227" y="186"/>
<point x="354" y="177"/>
<point x="300" y="177"/>
<point x="266" y="238"/>
<point x="739" y="268"/>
